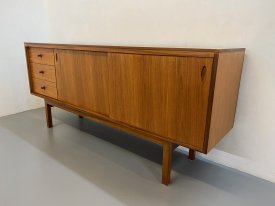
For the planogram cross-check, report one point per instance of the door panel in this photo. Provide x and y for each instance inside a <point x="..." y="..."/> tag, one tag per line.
<point x="82" y="79"/>
<point x="162" y="94"/>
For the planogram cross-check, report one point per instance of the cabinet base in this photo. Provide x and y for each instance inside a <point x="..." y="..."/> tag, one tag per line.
<point x="167" y="147"/>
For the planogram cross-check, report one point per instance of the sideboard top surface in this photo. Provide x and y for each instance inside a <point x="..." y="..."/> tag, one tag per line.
<point x="196" y="52"/>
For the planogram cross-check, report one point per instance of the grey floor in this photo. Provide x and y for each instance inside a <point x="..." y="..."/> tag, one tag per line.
<point x="80" y="162"/>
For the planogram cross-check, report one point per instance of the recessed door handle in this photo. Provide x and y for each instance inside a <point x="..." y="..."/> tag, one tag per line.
<point x="43" y="87"/>
<point x="40" y="55"/>
<point x="203" y="72"/>
<point x="41" y="72"/>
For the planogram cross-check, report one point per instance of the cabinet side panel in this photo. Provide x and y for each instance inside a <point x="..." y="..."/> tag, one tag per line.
<point x="226" y="91"/>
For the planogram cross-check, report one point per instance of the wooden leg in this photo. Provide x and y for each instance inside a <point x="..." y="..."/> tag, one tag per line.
<point x="192" y="154"/>
<point x="80" y="116"/>
<point x="166" y="163"/>
<point x="48" y="112"/>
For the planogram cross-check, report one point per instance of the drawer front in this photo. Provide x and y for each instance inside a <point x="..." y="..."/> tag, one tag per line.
<point x="41" y="56"/>
<point x="45" y="88"/>
<point x="44" y="72"/>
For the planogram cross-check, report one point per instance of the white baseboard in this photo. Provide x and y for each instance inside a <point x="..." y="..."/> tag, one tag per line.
<point x="257" y="169"/>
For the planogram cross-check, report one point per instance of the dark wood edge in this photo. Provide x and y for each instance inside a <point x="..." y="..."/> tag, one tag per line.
<point x="54" y="45"/>
<point x="28" y="68"/>
<point x="56" y="65"/>
<point x="210" y="102"/>
<point x="231" y="50"/>
<point x="128" y="50"/>
<point x="118" y="125"/>
<point x="195" y="52"/>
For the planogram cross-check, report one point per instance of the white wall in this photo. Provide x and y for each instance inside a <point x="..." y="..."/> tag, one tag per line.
<point x="20" y="20"/>
<point x="189" y="23"/>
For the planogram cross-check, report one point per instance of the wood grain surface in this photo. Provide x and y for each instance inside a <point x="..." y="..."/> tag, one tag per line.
<point x="226" y="91"/>
<point x="82" y="79"/>
<point x="164" y="95"/>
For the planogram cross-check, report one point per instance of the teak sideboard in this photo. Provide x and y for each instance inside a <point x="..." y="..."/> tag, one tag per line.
<point x="170" y="96"/>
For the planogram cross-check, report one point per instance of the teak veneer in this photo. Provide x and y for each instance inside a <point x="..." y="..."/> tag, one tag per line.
<point x="170" y="96"/>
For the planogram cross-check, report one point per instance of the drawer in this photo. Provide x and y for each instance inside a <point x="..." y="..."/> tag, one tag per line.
<point x="44" y="87"/>
<point x="41" y="56"/>
<point x="44" y="72"/>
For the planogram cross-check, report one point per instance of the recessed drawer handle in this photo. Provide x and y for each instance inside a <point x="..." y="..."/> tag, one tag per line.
<point x="41" y="72"/>
<point x="40" y="55"/>
<point x="43" y="87"/>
